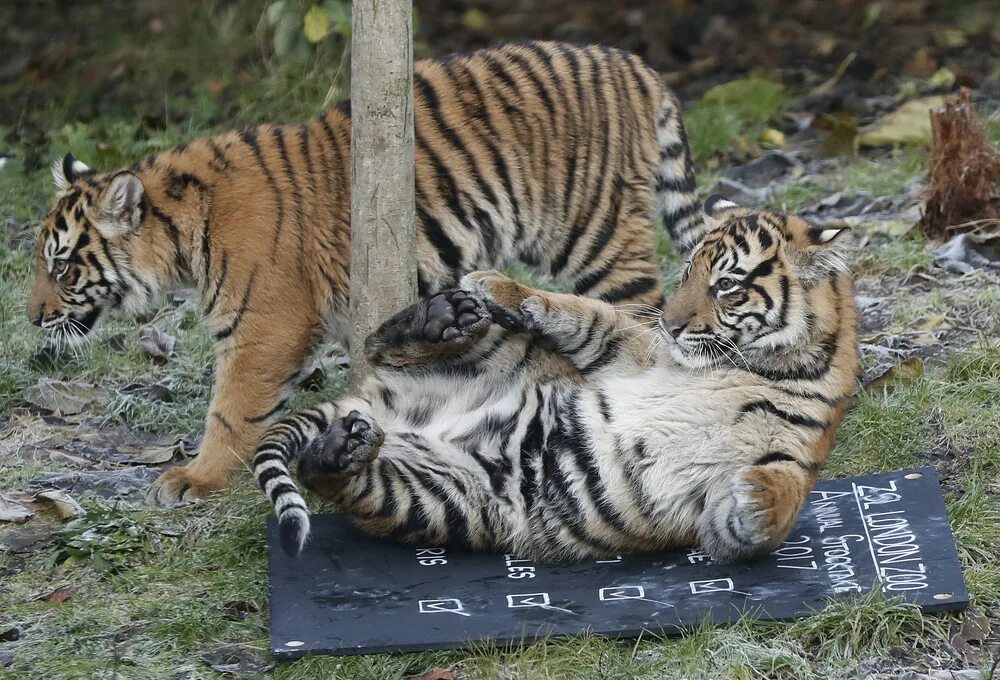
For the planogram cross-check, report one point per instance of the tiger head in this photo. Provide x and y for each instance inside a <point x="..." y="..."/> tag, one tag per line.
<point x="748" y="290"/>
<point x="84" y="252"/>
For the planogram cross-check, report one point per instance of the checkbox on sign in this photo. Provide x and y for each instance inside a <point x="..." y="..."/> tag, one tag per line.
<point x="528" y="600"/>
<point x="716" y="585"/>
<point x="443" y="606"/>
<point x="621" y="593"/>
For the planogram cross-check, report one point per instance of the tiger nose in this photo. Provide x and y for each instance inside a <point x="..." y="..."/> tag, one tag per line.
<point x="675" y="328"/>
<point x="36" y="315"/>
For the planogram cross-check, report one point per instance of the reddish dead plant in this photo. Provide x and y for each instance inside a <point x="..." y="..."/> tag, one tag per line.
<point x="965" y="173"/>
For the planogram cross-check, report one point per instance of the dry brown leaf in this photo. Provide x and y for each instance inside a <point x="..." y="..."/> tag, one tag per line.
<point x="57" y="595"/>
<point x="65" y="505"/>
<point x="15" y="508"/>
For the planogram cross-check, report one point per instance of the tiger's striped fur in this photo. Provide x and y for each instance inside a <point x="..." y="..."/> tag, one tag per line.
<point x="566" y="429"/>
<point x="539" y="152"/>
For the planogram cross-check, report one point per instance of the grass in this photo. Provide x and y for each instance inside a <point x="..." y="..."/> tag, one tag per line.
<point x="201" y="580"/>
<point x="733" y="113"/>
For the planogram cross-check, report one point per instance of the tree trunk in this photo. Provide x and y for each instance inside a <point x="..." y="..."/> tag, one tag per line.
<point x="383" y="239"/>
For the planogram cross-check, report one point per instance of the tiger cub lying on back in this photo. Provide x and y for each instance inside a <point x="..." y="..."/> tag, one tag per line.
<point x="554" y="426"/>
<point x="542" y="153"/>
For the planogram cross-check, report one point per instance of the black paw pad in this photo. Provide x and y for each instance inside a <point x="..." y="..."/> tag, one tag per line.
<point x="449" y="313"/>
<point x="346" y="447"/>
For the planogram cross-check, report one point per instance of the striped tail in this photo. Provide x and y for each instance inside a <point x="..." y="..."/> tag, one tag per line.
<point x="675" y="192"/>
<point x="282" y="443"/>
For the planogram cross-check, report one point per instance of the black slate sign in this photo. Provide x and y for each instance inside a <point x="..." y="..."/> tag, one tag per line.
<point x="351" y="594"/>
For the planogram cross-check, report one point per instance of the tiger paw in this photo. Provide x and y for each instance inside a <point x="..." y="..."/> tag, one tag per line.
<point x="512" y="305"/>
<point x="182" y="485"/>
<point x="455" y="317"/>
<point x="344" y="450"/>
<point x="753" y="517"/>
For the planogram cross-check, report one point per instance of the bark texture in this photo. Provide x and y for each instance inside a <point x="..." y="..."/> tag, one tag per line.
<point x="383" y="240"/>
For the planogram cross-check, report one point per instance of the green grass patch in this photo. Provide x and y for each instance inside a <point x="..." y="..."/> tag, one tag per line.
<point x="733" y="114"/>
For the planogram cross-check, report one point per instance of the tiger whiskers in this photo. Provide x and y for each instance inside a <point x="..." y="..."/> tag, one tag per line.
<point x="731" y="343"/>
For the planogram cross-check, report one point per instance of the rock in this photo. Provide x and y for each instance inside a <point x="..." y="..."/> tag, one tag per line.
<point x="28" y="538"/>
<point x="238" y="660"/>
<point x="963" y="254"/>
<point x="847" y="205"/>
<point x="736" y="192"/>
<point x="124" y="483"/>
<point x="765" y="170"/>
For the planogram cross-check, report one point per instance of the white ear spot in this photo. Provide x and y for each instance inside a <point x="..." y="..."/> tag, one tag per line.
<point x="80" y="166"/>
<point x="62" y="184"/>
<point x="716" y="204"/>
<point x="827" y="235"/>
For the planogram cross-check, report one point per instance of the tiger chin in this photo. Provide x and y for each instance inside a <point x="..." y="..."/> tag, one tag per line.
<point x="552" y="426"/>
<point x="539" y="153"/>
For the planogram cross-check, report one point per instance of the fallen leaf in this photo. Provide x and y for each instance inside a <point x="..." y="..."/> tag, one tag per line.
<point x="976" y="627"/>
<point x="64" y="398"/>
<point x="157" y="455"/>
<point x="316" y="24"/>
<point x="909" y="124"/>
<point x="156" y="343"/>
<point x="434" y="674"/>
<point x="57" y="595"/>
<point x="772" y="137"/>
<point x="943" y="78"/>
<point x="909" y="368"/>
<point x="932" y="322"/>
<point x="13" y="510"/>
<point x="238" y="660"/>
<point x="66" y="507"/>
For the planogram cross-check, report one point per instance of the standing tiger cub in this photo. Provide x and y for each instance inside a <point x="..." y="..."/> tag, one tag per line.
<point x="554" y="426"/>
<point x="542" y="153"/>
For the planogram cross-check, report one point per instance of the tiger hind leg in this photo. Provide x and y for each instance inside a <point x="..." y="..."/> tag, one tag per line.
<point x="442" y="325"/>
<point x="753" y="514"/>
<point x="344" y="450"/>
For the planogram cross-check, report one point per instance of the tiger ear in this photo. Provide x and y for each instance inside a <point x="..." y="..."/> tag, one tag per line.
<point x="119" y="208"/>
<point x="821" y="254"/>
<point x="67" y="169"/>
<point x="822" y="237"/>
<point x="716" y="205"/>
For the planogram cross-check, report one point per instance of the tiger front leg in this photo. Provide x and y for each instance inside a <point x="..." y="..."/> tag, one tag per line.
<point x="251" y="376"/>
<point x="442" y="325"/>
<point x="590" y="333"/>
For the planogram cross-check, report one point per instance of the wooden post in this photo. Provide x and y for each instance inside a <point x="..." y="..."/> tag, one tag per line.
<point x="383" y="239"/>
